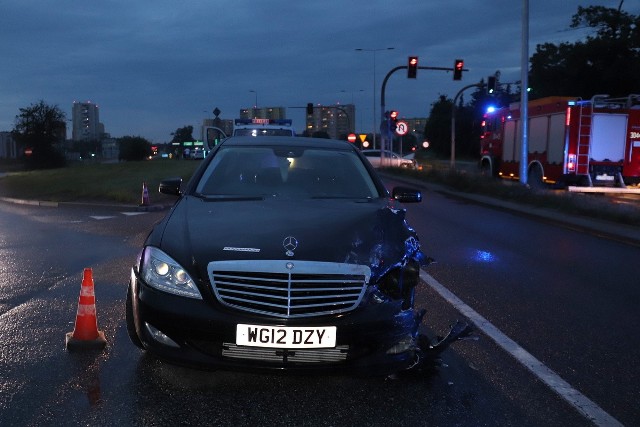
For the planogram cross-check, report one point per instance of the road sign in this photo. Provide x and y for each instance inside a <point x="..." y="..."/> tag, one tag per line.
<point x="402" y="128"/>
<point x="351" y="138"/>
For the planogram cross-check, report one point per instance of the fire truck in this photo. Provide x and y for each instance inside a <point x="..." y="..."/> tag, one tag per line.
<point x="571" y="142"/>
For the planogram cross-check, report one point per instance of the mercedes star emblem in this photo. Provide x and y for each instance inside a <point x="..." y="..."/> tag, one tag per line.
<point x="290" y="244"/>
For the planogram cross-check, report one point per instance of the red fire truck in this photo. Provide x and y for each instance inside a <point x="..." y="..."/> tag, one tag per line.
<point x="571" y="141"/>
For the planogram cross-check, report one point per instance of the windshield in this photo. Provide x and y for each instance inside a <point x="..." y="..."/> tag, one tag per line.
<point x="286" y="172"/>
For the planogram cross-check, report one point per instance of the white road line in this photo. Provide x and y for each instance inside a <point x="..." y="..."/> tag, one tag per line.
<point x="101" y="217"/>
<point x="133" y="213"/>
<point x="580" y="402"/>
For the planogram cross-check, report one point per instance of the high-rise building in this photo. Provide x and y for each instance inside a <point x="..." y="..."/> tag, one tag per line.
<point x="225" y="125"/>
<point x="86" y="122"/>
<point x="8" y="147"/>
<point x="336" y="120"/>
<point x="272" y="113"/>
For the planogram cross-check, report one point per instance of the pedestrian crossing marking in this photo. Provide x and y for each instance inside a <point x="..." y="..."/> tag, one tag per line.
<point x="101" y="217"/>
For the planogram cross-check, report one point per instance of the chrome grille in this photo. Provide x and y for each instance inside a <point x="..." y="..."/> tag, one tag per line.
<point x="312" y="355"/>
<point x="289" y="289"/>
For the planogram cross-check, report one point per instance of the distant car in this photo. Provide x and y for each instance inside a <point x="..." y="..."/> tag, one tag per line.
<point x="198" y="153"/>
<point x="281" y="253"/>
<point x="390" y="159"/>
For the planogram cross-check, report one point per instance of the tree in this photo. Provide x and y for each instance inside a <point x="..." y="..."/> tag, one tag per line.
<point x="438" y="127"/>
<point x="133" y="148"/>
<point x="40" y="130"/>
<point x="607" y="62"/>
<point x="183" y="134"/>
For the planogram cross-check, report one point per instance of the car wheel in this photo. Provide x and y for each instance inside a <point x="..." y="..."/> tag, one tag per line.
<point x="534" y="178"/>
<point x="485" y="169"/>
<point x="131" y="326"/>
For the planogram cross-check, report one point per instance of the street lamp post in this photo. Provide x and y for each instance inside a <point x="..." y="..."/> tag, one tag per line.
<point x="352" y="120"/>
<point x="374" y="86"/>
<point x="352" y="91"/>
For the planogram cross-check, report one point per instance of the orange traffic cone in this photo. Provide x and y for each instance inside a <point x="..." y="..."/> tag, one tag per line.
<point x="86" y="333"/>
<point x="145" y="195"/>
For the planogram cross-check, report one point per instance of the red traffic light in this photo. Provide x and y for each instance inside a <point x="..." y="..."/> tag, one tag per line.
<point x="412" y="67"/>
<point x="393" y="115"/>
<point x="458" y="66"/>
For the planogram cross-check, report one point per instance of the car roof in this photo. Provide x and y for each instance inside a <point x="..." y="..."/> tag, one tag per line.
<point x="287" y="141"/>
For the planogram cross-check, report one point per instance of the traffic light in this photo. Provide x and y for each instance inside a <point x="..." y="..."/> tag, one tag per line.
<point x="458" y="65"/>
<point x="412" y="67"/>
<point x="393" y="120"/>
<point x="310" y="109"/>
<point x="491" y="84"/>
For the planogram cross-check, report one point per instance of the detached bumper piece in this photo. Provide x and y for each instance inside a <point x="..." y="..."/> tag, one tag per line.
<point x="428" y="350"/>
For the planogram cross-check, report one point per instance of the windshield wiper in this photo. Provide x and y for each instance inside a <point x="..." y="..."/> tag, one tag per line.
<point x="228" y="197"/>
<point x="355" y="198"/>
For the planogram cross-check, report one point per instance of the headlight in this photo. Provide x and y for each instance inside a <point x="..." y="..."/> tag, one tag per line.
<point x="162" y="272"/>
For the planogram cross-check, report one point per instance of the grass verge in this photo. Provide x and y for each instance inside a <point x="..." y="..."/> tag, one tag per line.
<point x="589" y="205"/>
<point x="112" y="182"/>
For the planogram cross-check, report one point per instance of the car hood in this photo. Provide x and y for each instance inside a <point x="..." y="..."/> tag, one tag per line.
<point x="372" y="232"/>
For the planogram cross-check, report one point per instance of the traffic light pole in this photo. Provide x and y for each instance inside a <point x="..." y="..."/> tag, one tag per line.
<point x="384" y="87"/>
<point x="404" y="67"/>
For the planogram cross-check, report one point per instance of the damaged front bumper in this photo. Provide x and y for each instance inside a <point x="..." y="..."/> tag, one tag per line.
<point x="377" y="339"/>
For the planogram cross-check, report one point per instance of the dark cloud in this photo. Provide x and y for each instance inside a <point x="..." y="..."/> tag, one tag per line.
<point x="155" y="66"/>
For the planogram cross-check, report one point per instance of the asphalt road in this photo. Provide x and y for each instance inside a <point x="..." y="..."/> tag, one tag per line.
<point x="565" y="289"/>
<point x="553" y="290"/>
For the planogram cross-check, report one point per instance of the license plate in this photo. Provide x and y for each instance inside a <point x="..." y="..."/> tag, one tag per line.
<point x="285" y="336"/>
<point x="605" y="177"/>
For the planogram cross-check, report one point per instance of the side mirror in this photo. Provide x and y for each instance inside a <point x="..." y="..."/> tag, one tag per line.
<point x="406" y="194"/>
<point x="171" y="186"/>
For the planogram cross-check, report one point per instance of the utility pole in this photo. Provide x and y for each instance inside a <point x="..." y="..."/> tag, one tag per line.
<point x="524" y="94"/>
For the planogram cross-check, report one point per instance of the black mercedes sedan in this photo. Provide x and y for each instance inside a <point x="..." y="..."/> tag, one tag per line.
<point x="280" y="253"/>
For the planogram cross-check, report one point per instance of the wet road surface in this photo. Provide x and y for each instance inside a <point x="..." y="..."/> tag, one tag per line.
<point x="43" y="251"/>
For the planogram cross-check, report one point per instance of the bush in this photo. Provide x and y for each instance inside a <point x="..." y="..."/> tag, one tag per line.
<point x="45" y="157"/>
<point x="134" y="148"/>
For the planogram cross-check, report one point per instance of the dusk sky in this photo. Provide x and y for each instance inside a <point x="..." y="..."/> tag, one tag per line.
<point x="155" y="66"/>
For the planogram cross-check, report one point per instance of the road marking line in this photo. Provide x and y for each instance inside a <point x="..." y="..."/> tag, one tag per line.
<point x="101" y="217"/>
<point x="580" y="402"/>
<point x="133" y="213"/>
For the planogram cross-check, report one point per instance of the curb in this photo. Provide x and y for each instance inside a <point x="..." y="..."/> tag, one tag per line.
<point x="29" y="202"/>
<point x="44" y="203"/>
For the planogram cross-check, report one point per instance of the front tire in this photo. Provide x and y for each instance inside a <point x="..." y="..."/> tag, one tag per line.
<point x="131" y="325"/>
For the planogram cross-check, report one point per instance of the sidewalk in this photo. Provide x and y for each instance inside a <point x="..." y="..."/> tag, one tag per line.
<point x="610" y="230"/>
